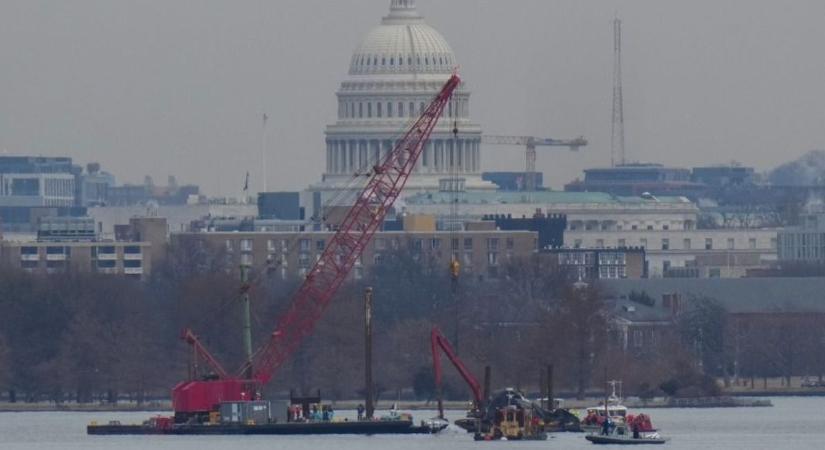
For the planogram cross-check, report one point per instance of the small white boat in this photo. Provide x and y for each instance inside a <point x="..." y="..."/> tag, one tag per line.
<point x="594" y="416"/>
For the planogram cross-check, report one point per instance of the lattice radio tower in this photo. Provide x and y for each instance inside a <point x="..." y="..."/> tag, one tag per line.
<point x="617" y="156"/>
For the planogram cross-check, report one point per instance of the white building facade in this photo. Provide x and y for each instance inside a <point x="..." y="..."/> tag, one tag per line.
<point x="394" y="74"/>
<point x="715" y="253"/>
<point x="806" y="242"/>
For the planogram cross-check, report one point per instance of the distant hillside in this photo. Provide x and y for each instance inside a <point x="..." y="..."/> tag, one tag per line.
<point x="808" y="170"/>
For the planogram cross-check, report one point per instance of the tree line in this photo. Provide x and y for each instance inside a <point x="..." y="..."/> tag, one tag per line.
<point x="86" y="337"/>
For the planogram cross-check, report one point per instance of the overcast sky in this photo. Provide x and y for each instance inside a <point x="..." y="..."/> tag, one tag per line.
<point x="178" y="86"/>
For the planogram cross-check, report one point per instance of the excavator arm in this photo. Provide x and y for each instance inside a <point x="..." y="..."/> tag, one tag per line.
<point x="440" y="344"/>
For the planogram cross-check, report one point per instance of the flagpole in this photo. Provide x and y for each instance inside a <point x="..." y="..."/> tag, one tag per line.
<point x="263" y="154"/>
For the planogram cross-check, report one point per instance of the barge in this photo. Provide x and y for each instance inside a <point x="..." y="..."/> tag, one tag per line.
<point x="163" y="426"/>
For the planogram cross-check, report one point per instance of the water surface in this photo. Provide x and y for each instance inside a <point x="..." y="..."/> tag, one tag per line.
<point x="793" y="423"/>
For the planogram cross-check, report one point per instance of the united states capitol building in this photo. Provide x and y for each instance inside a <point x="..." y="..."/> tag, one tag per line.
<point x="394" y="74"/>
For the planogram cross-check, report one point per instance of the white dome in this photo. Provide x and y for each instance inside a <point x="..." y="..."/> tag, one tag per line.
<point x="395" y="72"/>
<point x="403" y="43"/>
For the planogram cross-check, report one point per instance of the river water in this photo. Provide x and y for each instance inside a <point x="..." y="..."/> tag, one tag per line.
<point x="793" y="423"/>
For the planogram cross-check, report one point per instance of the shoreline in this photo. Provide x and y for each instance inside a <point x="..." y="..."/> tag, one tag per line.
<point x="732" y="399"/>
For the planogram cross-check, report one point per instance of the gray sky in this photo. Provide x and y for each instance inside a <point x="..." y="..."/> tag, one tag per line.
<point x="178" y="86"/>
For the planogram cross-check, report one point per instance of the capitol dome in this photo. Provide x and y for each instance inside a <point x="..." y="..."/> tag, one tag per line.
<point x="395" y="72"/>
<point x="403" y="43"/>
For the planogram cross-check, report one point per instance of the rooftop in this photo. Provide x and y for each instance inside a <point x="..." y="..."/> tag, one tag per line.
<point x="541" y="197"/>
<point x="737" y="295"/>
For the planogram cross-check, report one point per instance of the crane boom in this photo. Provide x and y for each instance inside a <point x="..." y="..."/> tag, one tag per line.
<point x="574" y="144"/>
<point x="387" y="179"/>
<point x="438" y="341"/>
<point x="355" y="232"/>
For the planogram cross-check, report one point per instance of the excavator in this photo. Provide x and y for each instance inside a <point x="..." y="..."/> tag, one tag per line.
<point x="490" y="413"/>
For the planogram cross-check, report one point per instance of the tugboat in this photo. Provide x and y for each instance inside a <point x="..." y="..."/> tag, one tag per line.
<point x="514" y="423"/>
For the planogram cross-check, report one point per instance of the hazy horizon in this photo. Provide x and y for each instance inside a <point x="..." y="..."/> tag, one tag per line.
<point x="178" y="88"/>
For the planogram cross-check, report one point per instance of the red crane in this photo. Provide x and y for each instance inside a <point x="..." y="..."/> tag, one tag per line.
<point x="387" y="179"/>
<point x="438" y="341"/>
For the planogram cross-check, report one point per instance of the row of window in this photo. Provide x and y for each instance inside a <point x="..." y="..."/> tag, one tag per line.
<point x="97" y="250"/>
<point x="361" y="110"/>
<point x="101" y="264"/>
<point x="687" y="243"/>
<point x="588" y="258"/>
<point x="604" y="226"/>
<point x="307" y="245"/>
<point x="393" y="60"/>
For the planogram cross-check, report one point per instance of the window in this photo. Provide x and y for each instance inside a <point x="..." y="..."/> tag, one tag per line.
<point x="665" y="266"/>
<point x="468" y="243"/>
<point x="643" y="242"/>
<point x="389" y="109"/>
<point x="303" y="260"/>
<point x="246" y="245"/>
<point x="55" y="265"/>
<point x="599" y="243"/>
<point x="752" y="243"/>
<point x="360" y="109"/>
<point x="28" y="250"/>
<point x="435" y="244"/>
<point x="708" y="243"/>
<point x="246" y="259"/>
<point x="131" y="250"/>
<point x="638" y="338"/>
<point x="731" y="243"/>
<point x="380" y="244"/>
<point x="55" y="250"/>
<point x="417" y="244"/>
<point x="320" y="245"/>
<point x="29" y="264"/>
<point x="454" y="244"/>
<point x="379" y="109"/>
<point x="468" y="258"/>
<point x="577" y="243"/>
<point x="106" y="263"/>
<point x="132" y="263"/>
<point x="622" y="243"/>
<point x="369" y="109"/>
<point x="400" y="109"/>
<point x="304" y="245"/>
<point x="665" y="244"/>
<point x="773" y="242"/>
<point x="686" y="244"/>
<point x="270" y="245"/>
<point x="665" y="227"/>
<point x="492" y="244"/>
<point x="634" y="227"/>
<point x="650" y="227"/>
<point x="510" y="243"/>
<point x="492" y="258"/>
<point x="228" y="246"/>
